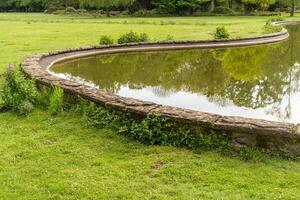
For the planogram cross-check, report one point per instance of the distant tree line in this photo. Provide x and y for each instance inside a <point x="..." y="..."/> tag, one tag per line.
<point x="170" y="7"/>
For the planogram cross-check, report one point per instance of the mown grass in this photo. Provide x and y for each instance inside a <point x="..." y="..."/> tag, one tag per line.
<point x="45" y="157"/>
<point x="24" y="34"/>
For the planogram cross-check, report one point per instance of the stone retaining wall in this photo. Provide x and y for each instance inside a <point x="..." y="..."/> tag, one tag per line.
<point x="244" y="131"/>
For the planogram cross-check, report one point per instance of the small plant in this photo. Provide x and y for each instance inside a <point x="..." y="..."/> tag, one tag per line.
<point x="270" y="28"/>
<point x="169" y="38"/>
<point x="275" y="19"/>
<point x="133" y="37"/>
<point x="56" y="101"/>
<point x="155" y="130"/>
<point x="223" y="10"/>
<point x="106" y="40"/>
<point x="221" y="33"/>
<point x="17" y="93"/>
<point x="71" y="10"/>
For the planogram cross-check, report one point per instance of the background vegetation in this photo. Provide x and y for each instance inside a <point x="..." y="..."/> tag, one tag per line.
<point x="152" y="7"/>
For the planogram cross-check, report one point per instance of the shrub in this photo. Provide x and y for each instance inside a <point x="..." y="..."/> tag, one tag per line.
<point x="17" y="93"/>
<point x="56" y="101"/>
<point x="155" y="130"/>
<point x="71" y="10"/>
<point x="221" y="33"/>
<point x="51" y="10"/>
<point x="133" y="37"/>
<point x="223" y="10"/>
<point x="145" y="13"/>
<point x="275" y="19"/>
<point x="106" y="40"/>
<point x="270" y="28"/>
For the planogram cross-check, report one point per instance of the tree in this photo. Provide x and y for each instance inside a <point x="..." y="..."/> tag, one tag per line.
<point x="262" y="4"/>
<point x="106" y="4"/>
<point x="293" y="7"/>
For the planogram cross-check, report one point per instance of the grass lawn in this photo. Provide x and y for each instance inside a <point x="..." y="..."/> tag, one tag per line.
<point x="24" y="34"/>
<point x="60" y="158"/>
<point x="44" y="157"/>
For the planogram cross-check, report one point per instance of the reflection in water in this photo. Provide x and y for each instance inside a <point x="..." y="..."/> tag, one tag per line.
<point x="259" y="82"/>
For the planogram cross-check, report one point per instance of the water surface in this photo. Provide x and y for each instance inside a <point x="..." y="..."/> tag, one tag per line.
<point x="257" y="82"/>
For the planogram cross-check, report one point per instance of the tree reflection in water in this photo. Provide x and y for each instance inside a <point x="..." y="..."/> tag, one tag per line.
<point x="265" y="76"/>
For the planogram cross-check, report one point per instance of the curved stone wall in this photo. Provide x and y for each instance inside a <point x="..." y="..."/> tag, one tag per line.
<point x="244" y="131"/>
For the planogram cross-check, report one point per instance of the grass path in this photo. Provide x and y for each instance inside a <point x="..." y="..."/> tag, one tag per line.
<point x="42" y="157"/>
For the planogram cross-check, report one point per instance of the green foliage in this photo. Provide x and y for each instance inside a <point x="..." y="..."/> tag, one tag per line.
<point x="133" y="37"/>
<point x="169" y="38"/>
<point x="221" y="33"/>
<point x="270" y="28"/>
<point x="56" y="101"/>
<point x="178" y="7"/>
<point x="275" y="19"/>
<point x="223" y="10"/>
<point x="156" y="130"/>
<point x="142" y="7"/>
<point x="71" y="10"/>
<point x="106" y="40"/>
<point x="262" y="4"/>
<point x="17" y="93"/>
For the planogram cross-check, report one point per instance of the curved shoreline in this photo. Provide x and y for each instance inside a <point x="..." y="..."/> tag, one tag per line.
<point x="244" y="131"/>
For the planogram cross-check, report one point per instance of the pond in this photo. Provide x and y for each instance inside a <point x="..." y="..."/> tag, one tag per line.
<point x="257" y="82"/>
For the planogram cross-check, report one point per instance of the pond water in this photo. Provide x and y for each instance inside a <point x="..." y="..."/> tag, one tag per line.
<point x="257" y="82"/>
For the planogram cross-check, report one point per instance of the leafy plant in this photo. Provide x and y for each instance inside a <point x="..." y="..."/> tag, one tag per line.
<point x="169" y="38"/>
<point x="221" y="33"/>
<point x="133" y="37"/>
<point x="270" y="28"/>
<point x="106" y="40"/>
<point x="155" y="130"/>
<point x="56" y="101"/>
<point x="17" y="93"/>
<point x="223" y="10"/>
<point x="275" y="19"/>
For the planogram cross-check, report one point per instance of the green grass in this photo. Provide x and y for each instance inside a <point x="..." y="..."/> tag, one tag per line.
<point x="45" y="157"/>
<point x="24" y="34"/>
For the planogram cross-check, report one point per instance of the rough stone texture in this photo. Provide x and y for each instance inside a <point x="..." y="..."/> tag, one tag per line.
<point x="243" y="131"/>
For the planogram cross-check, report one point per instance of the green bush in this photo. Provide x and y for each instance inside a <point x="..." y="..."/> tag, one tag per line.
<point x="133" y="37"/>
<point x="51" y="10"/>
<point x="155" y="130"/>
<point x="264" y="13"/>
<point x="56" y="101"/>
<point x="221" y="33"/>
<point x="145" y="13"/>
<point x="71" y="10"/>
<point x="223" y="10"/>
<point x="17" y="93"/>
<point x="275" y="19"/>
<point x="269" y="28"/>
<point x="106" y="40"/>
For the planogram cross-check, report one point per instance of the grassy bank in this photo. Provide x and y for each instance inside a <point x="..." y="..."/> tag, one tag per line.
<point x="24" y="34"/>
<point x="60" y="158"/>
<point x="45" y="157"/>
